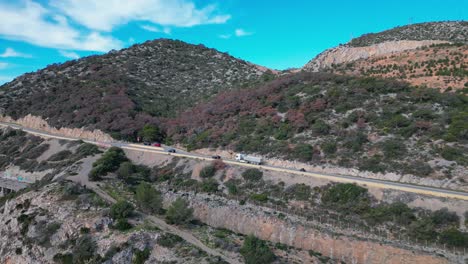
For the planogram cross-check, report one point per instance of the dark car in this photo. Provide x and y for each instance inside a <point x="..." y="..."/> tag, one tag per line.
<point x="171" y="150"/>
<point x="146" y="143"/>
<point x="302" y="169"/>
<point x="216" y="157"/>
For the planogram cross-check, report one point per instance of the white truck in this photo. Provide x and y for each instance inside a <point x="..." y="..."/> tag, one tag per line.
<point x="248" y="159"/>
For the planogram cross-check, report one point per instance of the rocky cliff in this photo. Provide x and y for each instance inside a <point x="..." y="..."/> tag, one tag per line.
<point x="266" y="224"/>
<point x="347" y="53"/>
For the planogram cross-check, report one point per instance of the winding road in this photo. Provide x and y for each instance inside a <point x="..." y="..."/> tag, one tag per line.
<point x="368" y="182"/>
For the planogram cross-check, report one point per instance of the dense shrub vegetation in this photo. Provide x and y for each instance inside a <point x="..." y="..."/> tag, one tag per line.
<point x="109" y="162"/>
<point x="121" y="92"/>
<point x="320" y="118"/>
<point x="256" y="251"/>
<point x="179" y="212"/>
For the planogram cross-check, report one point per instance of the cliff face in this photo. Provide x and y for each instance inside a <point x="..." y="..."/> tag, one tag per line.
<point x="263" y="223"/>
<point x="347" y="54"/>
<point x="35" y="122"/>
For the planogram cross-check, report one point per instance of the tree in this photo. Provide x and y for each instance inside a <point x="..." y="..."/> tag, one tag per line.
<point x="121" y="209"/>
<point x="320" y="127"/>
<point x="303" y="152"/>
<point x="148" y="198"/>
<point x="256" y="251"/>
<point x="179" y="212"/>
<point x="125" y="171"/>
<point x="109" y="162"/>
<point x="151" y="133"/>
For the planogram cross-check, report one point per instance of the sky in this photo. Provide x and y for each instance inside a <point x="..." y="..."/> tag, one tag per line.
<point x="277" y="34"/>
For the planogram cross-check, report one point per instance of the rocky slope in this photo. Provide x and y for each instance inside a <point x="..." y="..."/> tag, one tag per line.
<point x="395" y="43"/>
<point x="440" y="66"/>
<point x="121" y="91"/>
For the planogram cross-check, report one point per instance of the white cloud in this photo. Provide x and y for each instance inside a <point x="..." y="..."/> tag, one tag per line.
<point x="9" y="52"/>
<point x="69" y="54"/>
<point x="31" y="22"/>
<point x="3" y="65"/>
<point x="104" y="15"/>
<point x="225" y="36"/>
<point x="151" y="28"/>
<point x="242" y="33"/>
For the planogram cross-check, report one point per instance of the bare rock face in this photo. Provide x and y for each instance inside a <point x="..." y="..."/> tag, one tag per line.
<point x="346" y="53"/>
<point x="262" y="222"/>
<point x="36" y="122"/>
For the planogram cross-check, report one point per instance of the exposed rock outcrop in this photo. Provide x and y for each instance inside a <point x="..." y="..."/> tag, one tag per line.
<point x="36" y="122"/>
<point x="262" y="222"/>
<point x="346" y="53"/>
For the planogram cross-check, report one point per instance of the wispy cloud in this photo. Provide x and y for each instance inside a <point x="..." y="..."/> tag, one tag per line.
<point x="69" y="54"/>
<point x="31" y="22"/>
<point x="9" y="52"/>
<point x="242" y="33"/>
<point x="151" y="28"/>
<point x="237" y="33"/>
<point x="3" y="65"/>
<point x="104" y="15"/>
<point x="225" y="36"/>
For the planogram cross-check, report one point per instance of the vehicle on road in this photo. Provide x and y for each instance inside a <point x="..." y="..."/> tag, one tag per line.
<point x="156" y="144"/>
<point x="146" y="143"/>
<point x="248" y="159"/>
<point x="302" y="169"/>
<point x="216" y="157"/>
<point x="171" y="150"/>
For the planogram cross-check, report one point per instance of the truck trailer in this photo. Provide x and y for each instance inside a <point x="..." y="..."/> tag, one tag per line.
<point x="248" y="159"/>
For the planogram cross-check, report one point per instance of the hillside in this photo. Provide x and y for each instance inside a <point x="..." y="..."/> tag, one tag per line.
<point x="452" y="31"/>
<point x="439" y="66"/>
<point x="121" y="91"/>
<point x="443" y="46"/>
<point x="365" y="123"/>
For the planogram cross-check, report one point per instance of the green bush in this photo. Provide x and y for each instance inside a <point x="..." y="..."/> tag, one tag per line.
<point x="347" y="196"/>
<point x="151" y="133"/>
<point x="252" y="175"/>
<point x="320" y="128"/>
<point x="109" y="162"/>
<point x="122" y="224"/>
<point x="303" y="152"/>
<point x="148" y="198"/>
<point x="121" y="209"/>
<point x="179" y="212"/>
<point x="450" y="153"/>
<point x="256" y="251"/>
<point x="62" y="155"/>
<point x="397" y="212"/>
<point x="443" y="217"/>
<point x="454" y="237"/>
<point x="169" y="240"/>
<point x="209" y="186"/>
<point x="86" y="149"/>
<point x="458" y="128"/>
<point x="393" y="148"/>
<point x="208" y="171"/>
<point x="328" y="147"/>
<point x="299" y="191"/>
<point x="259" y="197"/>
<point x="139" y="257"/>
<point x="84" y="249"/>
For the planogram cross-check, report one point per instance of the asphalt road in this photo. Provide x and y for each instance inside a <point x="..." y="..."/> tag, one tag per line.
<point x="376" y="183"/>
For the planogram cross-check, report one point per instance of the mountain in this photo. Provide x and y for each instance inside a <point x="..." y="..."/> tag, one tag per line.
<point x="370" y="124"/>
<point x="432" y="54"/>
<point x="121" y="91"/>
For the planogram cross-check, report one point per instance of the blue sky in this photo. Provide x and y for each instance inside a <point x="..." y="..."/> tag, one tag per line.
<point x="273" y="33"/>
